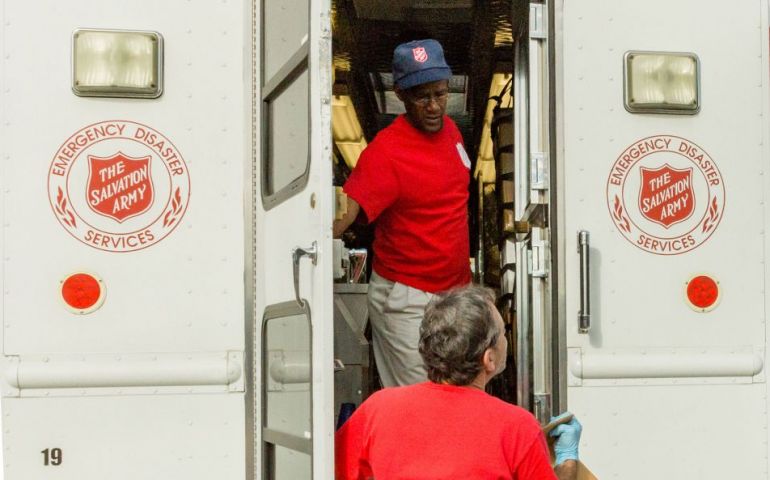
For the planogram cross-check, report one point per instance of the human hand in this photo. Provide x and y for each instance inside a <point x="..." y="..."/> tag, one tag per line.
<point x="567" y="439"/>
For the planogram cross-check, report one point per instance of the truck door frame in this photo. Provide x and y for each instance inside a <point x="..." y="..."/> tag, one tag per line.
<point x="293" y="235"/>
<point x="540" y="343"/>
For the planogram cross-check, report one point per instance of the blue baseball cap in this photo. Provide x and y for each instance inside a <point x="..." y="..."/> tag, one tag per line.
<point x="418" y="62"/>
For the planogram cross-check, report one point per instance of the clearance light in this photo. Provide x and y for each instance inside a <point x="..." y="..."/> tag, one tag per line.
<point x="116" y="63"/>
<point x="82" y="292"/>
<point x="661" y="82"/>
<point x="702" y="293"/>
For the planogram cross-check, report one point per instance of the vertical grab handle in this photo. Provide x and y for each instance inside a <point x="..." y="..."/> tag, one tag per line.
<point x="296" y="254"/>
<point x="584" y="315"/>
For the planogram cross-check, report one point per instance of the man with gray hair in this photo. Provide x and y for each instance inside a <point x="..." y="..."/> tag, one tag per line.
<point x="448" y="427"/>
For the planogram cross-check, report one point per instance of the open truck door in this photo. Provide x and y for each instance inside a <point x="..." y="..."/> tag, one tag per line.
<point x="663" y="146"/>
<point x="295" y="369"/>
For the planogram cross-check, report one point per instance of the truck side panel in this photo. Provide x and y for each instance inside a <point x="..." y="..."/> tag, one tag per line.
<point x="665" y="389"/>
<point x="151" y="384"/>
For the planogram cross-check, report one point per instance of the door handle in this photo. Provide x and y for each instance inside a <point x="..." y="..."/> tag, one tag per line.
<point x="584" y="315"/>
<point x="296" y="254"/>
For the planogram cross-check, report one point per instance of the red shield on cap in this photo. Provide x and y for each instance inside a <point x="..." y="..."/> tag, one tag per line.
<point x="420" y="54"/>
<point x="119" y="187"/>
<point x="666" y="196"/>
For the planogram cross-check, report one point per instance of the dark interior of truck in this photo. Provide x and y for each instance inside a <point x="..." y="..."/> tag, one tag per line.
<point x="477" y="37"/>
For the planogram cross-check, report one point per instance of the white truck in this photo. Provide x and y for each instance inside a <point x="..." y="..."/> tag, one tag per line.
<point x="168" y="302"/>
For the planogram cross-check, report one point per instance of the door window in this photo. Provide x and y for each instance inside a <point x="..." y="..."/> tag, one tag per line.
<point x="287" y="392"/>
<point x="285" y="90"/>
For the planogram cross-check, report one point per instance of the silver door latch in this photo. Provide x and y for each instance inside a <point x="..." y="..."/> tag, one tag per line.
<point x="296" y="254"/>
<point x="584" y="314"/>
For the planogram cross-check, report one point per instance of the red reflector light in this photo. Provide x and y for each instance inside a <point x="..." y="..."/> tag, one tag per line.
<point x="702" y="292"/>
<point x="82" y="292"/>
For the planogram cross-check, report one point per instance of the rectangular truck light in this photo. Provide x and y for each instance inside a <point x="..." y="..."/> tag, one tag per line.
<point x="117" y="63"/>
<point x="662" y="82"/>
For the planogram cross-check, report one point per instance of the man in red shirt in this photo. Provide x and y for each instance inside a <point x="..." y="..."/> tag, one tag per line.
<point x="448" y="427"/>
<point x="413" y="181"/>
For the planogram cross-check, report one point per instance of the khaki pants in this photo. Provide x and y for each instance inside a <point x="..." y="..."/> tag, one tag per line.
<point x="395" y="312"/>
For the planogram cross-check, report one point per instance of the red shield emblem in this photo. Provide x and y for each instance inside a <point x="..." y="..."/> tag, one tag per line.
<point x="420" y="54"/>
<point x="119" y="187"/>
<point x="666" y="195"/>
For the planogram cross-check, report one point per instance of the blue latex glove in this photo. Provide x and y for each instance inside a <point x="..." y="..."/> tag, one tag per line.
<point x="567" y="439"/>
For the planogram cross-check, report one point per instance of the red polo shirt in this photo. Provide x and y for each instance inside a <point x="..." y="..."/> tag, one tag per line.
<point x="415" y="186"/>
<point x="431" y="431"/>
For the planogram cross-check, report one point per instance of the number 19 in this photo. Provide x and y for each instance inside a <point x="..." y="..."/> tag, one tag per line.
<point x="52" y="456"/>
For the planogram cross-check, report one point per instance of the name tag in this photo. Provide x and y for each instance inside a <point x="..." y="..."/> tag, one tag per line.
<point x="463" y="156"/>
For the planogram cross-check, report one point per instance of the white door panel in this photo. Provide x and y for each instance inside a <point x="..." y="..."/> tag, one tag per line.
<point x="294" y="228"/>
<point x="192" y="279"/>
<point x="693" y="424"/>
<point x="296" y="363"/>
<point x="134" y="436"/>
<point x="655" y="379"/>
<point x="141" y="387"/>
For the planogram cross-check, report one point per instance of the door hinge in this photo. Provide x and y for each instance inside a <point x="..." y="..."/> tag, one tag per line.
<point x="538" y="265"/>
<point x="538" y="22"/>
<point x="538" y="171"/>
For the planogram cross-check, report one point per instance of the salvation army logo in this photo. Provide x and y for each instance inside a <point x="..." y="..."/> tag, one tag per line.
<point x="128" y="197"/>
<point x="118" y="186"/>
<point x="420" y="54"/>
<point x="665" y="195"/>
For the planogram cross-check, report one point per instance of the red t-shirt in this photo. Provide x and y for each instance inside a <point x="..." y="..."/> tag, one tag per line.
<point x="415" y="185"/>
<point x="440" y="432"/>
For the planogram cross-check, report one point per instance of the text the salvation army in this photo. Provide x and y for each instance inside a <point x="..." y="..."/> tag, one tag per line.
<point x="125" y="190"/>
<point x="674" y="196"/>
